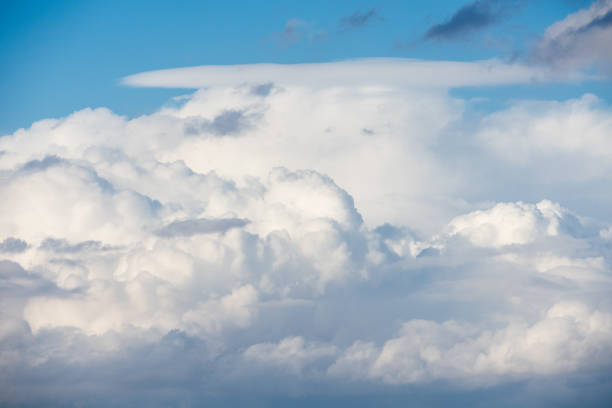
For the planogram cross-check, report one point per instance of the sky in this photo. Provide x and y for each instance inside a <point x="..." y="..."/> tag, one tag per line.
<point x="62" y="56"/>
<point x="306" y="204"/>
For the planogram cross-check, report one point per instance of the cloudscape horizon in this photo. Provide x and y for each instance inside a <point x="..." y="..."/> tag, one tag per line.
<point x="404" y="229"/>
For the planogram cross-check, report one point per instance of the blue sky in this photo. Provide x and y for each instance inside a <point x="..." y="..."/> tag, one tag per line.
<point x="291" y="203"/>
<point x="65" y="55"/>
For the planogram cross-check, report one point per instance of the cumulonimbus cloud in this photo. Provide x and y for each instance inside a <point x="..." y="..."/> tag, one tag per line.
<point x="281" y="246"/>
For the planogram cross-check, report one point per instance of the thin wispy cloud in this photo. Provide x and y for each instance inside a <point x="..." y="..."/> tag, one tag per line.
<point x="466" y="20"/>
<point x="293" y="32"/>
<point x="296" y="31"/>
<point x="359" y="19"/>
<point x="579" y="41"/>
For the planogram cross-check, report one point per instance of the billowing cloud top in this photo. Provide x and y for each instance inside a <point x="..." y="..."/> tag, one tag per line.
<point x="305" y="231"/>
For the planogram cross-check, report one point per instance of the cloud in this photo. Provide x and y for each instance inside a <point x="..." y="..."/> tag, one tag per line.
<point x="200" y="226"/>
<point x="579" y="41"/>
<point x="229" y="122"/>
<point x="11" y="244"/>
<point x="63" y="246"/>
<point x="561" y="341"/>
<point x="297" y="30"/>
<point x="292" y="32"/>
<point x="512" y="224"/>
<point x="292" y="353"/>
<point x="390" y="72"/>
<point x="469" y="18"/>
<point x="358" y="19"/>
<point x="352" y="242"/>
<point x="520" y="135"/>
<point x="262" y="89"/>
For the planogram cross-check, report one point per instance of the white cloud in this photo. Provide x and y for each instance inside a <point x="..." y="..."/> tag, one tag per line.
<point x="297" y="128"/>
<point x="88" y="207"/>
<point x="393" y="72"/>
<point x="316" y="234"/>
<point x="510" y="223"/>
<point x="291" y="353"/>
<point x="567" y="337"/>
<point x="528" y="132"/>
<point x="237" y="308"/>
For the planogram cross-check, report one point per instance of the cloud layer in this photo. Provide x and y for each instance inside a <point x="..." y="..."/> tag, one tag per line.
<point x="388" y="72"/>
<point x="294" y="239"/>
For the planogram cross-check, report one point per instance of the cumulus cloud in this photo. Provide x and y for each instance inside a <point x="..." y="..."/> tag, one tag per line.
<point x="511" y="224"/>
<point x="292" y="353"/>
<point x="541" y="131"/>
<point x="322" y="239"/>
<point x="567" y="336"/>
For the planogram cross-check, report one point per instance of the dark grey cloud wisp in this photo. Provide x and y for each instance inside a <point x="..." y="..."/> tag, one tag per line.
<point x="469" y="18"/>
<point x="229" y="122"/>
<point x="200" y="226"/>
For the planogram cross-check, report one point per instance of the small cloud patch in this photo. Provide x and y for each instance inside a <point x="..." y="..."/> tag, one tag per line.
<point x="200" y="226"/>
<point x="359" y="19"/>
<point x="229" y="122"/>
<point x="13" y="245"/>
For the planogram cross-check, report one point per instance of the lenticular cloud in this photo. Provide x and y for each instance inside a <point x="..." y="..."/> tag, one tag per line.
<point x="312" y="237"/>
